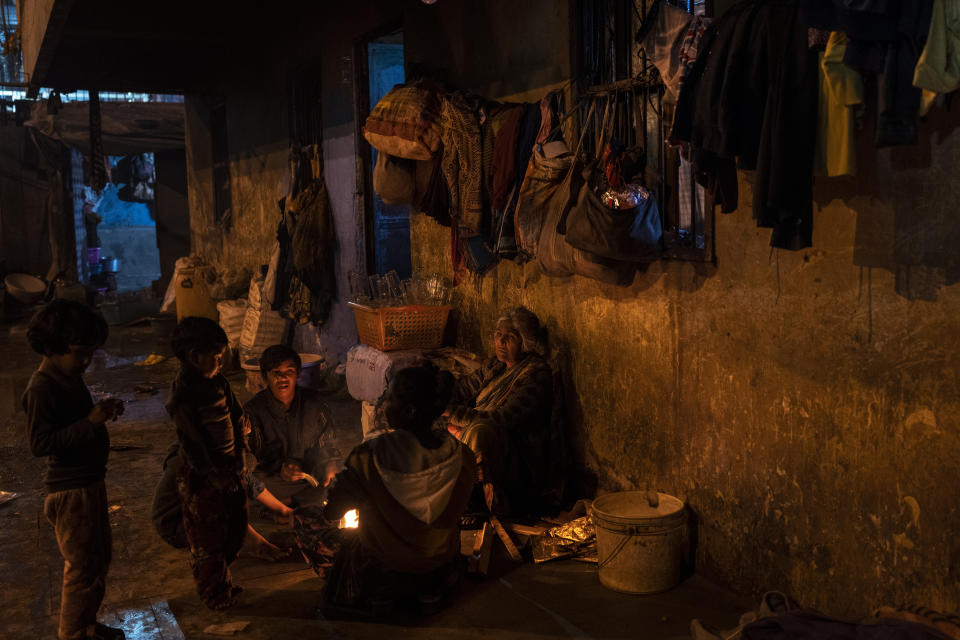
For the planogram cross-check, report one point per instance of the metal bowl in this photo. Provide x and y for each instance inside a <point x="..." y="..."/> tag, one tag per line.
<point x="25" y="288"/>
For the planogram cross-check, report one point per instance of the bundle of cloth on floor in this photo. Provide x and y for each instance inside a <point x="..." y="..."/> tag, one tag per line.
<point x="778" y="617"/>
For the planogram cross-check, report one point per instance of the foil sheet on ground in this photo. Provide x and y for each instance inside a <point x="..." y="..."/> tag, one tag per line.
<point x="577" y="537"/>
<point x="317" y="539"/>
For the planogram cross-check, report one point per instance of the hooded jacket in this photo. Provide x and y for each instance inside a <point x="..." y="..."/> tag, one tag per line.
<point x="409" y="499"/>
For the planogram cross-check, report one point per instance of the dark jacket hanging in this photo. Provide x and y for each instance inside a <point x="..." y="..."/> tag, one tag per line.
<point x="756" y="99"/>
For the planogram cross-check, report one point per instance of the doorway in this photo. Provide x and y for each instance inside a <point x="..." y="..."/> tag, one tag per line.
<point x="388" y="226"/>
<point x="117" y="245"/>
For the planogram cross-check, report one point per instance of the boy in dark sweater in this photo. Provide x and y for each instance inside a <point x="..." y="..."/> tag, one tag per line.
<point x="70" y="430"/>
<point x="291" y="431"/>
<point x="210" y="432"/>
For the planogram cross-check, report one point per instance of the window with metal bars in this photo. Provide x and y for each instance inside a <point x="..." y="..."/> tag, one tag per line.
<point x="616" y="78"/>
<point x="304" y="105"/>
<point x="11" y="60"/>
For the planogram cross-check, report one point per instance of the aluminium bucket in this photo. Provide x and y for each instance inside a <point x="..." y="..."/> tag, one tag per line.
<point x="642" y="541"/>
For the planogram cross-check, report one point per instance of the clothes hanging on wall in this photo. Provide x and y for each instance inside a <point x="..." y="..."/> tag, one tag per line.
<point x="504" y="156"/>
<point x="435" y="201"/>
<point x="312" y="247"/>
<point x="691" y="199"/>
<point x="463" y="162"/>
<point x="307" y="244"/>
<point x="938" y="70"/>
<point x="535" y="123"/>
<point x="885" y="38"/>
<point x="98" y="167"/>
<point x="841" y="92"/>
<point x="752" y="96"/>
<point x="496" y="118"/>
<point x="662" y="40"/>
<point x="550" y="117"/>
<point x="527" y="132"/>
<point x="718" y="175"/>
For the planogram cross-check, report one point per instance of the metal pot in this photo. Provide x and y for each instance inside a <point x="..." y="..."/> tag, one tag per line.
<point x="110" y="265"/>
<point x="25" y="288"/>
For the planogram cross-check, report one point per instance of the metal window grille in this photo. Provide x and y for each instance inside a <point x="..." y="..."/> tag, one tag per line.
<point x="11" y="61"/>
<point x="615" y="74"/>
<point x="305" y="96"/>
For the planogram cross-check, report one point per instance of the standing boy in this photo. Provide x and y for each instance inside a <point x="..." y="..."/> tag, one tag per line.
<point x="209" y="429"/>
<point x="70" y="430"/>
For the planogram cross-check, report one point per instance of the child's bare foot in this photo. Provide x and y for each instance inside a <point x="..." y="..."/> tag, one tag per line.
<point x="226" y="599"/>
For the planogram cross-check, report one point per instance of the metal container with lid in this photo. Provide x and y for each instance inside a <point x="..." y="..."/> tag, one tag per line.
<point x="642" y="541"/>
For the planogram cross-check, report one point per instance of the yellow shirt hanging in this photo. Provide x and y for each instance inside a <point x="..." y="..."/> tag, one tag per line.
<point x="841" y="91"/>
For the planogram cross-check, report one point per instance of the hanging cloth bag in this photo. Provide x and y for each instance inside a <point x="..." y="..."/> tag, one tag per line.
<point x="555" y="256"/>
<point x="394" y="179"/>
<point x="406" y="122"/>
<point x="543" y="178"/>
<point x="629" y="235"/>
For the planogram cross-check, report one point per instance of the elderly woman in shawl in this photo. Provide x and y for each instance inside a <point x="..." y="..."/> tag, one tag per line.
<point x="503" y="411"/>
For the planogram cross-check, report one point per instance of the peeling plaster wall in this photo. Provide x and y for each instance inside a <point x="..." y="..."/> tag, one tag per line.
<point x="808" y="412"/>
<point x="258" y="134"/>
<point x="805" y="404"/>
<point x="259" y="173"/>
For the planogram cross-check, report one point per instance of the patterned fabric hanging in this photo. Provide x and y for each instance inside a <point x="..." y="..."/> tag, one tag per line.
<point x="98" y="169"/>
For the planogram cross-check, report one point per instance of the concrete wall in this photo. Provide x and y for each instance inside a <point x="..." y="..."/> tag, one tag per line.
<point x="804" y="404"/>
<point x="259" y="151"/>
<point x="256" y="123"/>
<point x="173" y="213"/>
<point x="36" y="226"/>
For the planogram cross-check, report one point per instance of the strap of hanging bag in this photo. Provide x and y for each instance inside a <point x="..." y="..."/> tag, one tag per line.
<point x="602" y="136"/>
<point x="562" y="222"/>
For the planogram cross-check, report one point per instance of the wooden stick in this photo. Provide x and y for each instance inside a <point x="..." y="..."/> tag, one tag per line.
<point x="506" y="539"/>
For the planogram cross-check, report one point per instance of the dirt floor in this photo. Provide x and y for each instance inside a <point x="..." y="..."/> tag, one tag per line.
<point x="150" y="592"/>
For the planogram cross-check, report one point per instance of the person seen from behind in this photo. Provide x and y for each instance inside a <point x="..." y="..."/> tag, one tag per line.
<point x="410" y="487"/>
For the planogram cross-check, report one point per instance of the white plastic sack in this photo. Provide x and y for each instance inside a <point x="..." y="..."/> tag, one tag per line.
<point x="261" y="329"/>
<point x="369" y="370"/>
<point x="232" y="315"/>
<point x="254" y="295"/>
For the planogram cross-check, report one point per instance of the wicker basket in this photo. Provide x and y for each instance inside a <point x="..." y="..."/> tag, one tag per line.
<point x="393" y="328"/>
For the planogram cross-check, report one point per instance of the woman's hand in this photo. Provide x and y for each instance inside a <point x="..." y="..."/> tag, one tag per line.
<point x="454" y="430"/>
